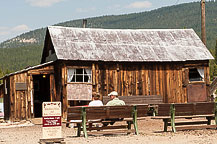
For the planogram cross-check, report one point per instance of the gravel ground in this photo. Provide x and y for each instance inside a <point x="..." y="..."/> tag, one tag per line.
<point x="151" y="132"/>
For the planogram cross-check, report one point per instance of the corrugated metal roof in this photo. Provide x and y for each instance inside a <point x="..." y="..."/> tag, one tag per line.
<point x="127" y="45"/>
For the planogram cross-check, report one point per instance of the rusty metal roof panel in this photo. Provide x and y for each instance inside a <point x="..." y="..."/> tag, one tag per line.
<point x="127" y="45"/>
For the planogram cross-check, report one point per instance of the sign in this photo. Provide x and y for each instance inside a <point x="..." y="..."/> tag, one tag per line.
<point x="51" y="112"/>
<point x="51" y="109"/>
<point x="20" y="86"/>
<point x="52" y="132"/>
<point x="51" y="121"/>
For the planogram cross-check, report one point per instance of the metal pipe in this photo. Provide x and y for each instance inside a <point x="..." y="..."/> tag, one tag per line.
<point x="84" y="23"/>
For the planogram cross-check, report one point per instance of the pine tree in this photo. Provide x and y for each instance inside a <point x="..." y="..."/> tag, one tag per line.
<point x="214" y="63"/>
<point x="216" y="53"/>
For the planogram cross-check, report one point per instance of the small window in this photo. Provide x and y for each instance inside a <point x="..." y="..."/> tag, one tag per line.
<point x="79" y="75"/>
<point x="196" y="74"/>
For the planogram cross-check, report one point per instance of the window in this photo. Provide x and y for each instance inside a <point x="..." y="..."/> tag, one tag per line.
<point x="79" y="75"/>
<point x="196" y="74"/>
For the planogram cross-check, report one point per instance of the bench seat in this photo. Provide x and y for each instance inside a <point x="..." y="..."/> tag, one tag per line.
<point x="85" y="117"/>
<point x="188" y="113"/>
<point x="181" y="117"/>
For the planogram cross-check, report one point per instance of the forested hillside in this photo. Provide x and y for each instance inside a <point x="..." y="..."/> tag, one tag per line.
<point x="25" y="50"/>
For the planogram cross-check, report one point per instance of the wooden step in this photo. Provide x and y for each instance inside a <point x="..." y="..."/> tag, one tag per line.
<point x="111" y="132"/>
<point x="196" y="127"/>
<point x="189" y="123"/>
<point x="108" y="127"/>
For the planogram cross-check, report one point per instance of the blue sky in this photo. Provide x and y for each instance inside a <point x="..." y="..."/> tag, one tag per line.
<point x="19" y="16"/>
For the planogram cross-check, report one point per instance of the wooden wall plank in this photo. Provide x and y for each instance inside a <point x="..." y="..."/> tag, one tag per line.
<point x="147" y="81"/>
<point x="157" y="82"/>
<point x="12" y="98"/>
<point x="30" y="88"/>
<point x="64" y="92"/>
<point x="139" y="81"/>
<point x="120" y="80"/>
<point x="129" y="73"/>
<point x="143" y="80"/>
<point x="161" y="80"/>
<point x="103" y="90"/>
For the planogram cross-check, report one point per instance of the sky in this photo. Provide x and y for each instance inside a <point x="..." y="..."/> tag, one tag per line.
<point x="20" y="16"/>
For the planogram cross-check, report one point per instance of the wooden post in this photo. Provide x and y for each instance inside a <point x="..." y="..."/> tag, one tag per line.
<point x="165" y="124"/>
<point x="134" y="113"/>
<point x="203" y="22"/>
<point x="79" y="129"/>
<point x="84" y="121"/>
<point x="216" y="113"/>
<point x="172" y="112"/>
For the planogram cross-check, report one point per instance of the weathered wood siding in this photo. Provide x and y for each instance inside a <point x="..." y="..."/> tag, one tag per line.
<point x="169" y="80"/>
<point x="165" y="79"/>
<point x="18" y="106"/>
<point x="18" y="98"/>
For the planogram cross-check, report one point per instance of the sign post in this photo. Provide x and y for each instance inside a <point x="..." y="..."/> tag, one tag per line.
<point x="52" y="129"/>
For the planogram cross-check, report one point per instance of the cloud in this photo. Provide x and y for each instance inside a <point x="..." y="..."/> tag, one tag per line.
<point x="6" y="32"/>
<point x="10" y="30"/>
<point x="139" y="5"/>
<point x="116" y="6"/>
<point x="3" y="31"/>
<point x="83" y="10"/>
<point x="42" y="3"/>
<point x="20" y="28"/>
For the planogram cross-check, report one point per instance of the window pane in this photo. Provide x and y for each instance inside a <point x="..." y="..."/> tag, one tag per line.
<point x="79" y="78"/>
<point x="194" y="75"/>
<point x="79" y="71"/>
<point x="79" y="75"/>
<point x="71" y="75"/>
<point x="201" y="72"/>
<point x="73" y="79"/>
<point x="87" y="77"/>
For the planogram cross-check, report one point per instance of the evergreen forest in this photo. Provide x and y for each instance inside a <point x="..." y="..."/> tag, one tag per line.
<point x="17" y="54"/>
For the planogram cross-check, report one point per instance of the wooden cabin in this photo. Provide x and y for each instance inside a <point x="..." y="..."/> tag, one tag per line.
<point x="25" y="90"/>
<point x="173" y="63"/>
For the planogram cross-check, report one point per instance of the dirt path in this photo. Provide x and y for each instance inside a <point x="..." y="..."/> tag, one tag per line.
<point x="150" y="132"/>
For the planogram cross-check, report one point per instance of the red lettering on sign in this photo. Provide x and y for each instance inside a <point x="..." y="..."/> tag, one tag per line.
<point x="50" y="121"/>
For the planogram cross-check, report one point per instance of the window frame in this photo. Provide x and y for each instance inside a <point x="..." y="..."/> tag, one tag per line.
<point x="196" y="81"/>
<point x="83" y="74"/>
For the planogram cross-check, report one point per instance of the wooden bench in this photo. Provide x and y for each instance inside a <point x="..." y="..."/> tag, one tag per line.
<point x="151" y="100"/>
<point x="139" y="99"/>
<point x="189" y="112"/>
<point x="87" y="116"/>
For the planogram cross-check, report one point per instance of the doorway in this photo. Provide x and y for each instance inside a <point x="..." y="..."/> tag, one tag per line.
<point x="41" y="86"/>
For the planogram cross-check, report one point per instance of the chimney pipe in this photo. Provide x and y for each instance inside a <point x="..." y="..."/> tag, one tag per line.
<point x="203" y="22"/>
<point x="84" y="23"/>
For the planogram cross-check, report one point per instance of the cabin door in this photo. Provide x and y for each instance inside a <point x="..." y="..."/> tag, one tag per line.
<point x="41" y="86"/>
<point x="196" y="87"/>
<point x="196" y="93"/>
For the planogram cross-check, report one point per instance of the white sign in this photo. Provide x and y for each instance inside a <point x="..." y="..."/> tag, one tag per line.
<point x="51" y="109"/>
<point x="51" y="112"/>
<point x="52" y="132"/>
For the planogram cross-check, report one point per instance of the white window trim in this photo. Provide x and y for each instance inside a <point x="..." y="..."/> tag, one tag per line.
<point x="88" y="71"/>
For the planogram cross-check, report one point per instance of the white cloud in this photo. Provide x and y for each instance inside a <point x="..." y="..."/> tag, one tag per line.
<point x="42" y="3"/>
<point x="83" y="10"/>
<point x="139" y="5"/>
<point x="20" y="28"/>
<point x="7" y="32"/>
<point x="3" y="31"/>
<point x="117" y="6"/>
